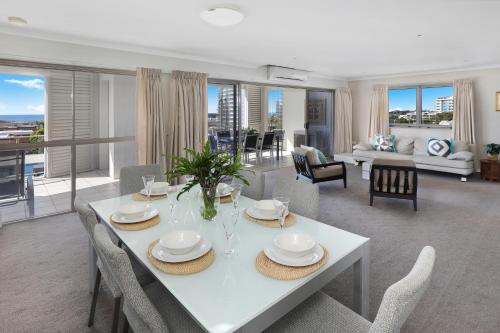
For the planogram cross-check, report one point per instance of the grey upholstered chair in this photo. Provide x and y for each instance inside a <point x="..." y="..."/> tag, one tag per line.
<point x="147" y="311"/>
<point x="304" y="197"/>
<point x="131" y="177"/>
<point x="321" y="313"/>
<point x="89" y="221"/>
<point x="256" y="188"/>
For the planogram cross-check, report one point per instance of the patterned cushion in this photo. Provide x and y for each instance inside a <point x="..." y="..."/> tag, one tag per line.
<point x="321" y="156"/>
<point x="439" y="147"/>
<point x="382" y="142"/>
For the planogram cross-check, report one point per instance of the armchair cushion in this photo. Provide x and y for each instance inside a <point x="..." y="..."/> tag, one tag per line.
<point x="363" y="147"/>
<point x="329" y="171"/>
<point x="311" y="155"/>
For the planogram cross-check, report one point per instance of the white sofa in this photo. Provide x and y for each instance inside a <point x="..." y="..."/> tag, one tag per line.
<point x="415" y="149"/>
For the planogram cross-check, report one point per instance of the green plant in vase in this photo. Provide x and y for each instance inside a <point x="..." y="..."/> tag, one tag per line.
<point x="492" y="149"/>
<point x="209" y="168"/>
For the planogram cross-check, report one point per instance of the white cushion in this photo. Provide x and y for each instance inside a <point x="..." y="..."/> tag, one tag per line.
<point x="404" y="145"/>
<point x="459" y="146"/>
<point x="311" y="155"/>
<point x="420" y="146"/>
<point x="381" y="154"/>
<point x="461" y="155"/>
<point x="363" y="146"/>
<point x="329" y="171"/>
<point x="443" y="161"/>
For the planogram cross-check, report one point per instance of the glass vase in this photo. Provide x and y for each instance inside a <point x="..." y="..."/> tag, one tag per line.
<point x="209" y="205"/>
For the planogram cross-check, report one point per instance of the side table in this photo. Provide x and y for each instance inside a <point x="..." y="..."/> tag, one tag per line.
<point x="490" y="170"/>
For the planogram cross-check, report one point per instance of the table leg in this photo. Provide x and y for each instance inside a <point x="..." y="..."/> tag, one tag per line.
<point x="362" y="282"/>
<point x="92" y="267"/>
<point x="277" y="149"/>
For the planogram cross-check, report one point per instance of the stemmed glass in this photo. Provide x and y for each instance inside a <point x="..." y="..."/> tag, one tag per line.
<point x="189" y="178"/>
<point x="281" y="205"/>
<point x="229" y="225"/>
<point x="172" y="204"/>
<point x="148" y="181"/>
<point x="235" y="194"/>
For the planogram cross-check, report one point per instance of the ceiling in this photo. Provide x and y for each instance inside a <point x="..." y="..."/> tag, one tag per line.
<point x="339" y="39"/>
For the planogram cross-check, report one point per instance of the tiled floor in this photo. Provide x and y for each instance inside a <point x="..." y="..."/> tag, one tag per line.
<point x="53" y="195"/>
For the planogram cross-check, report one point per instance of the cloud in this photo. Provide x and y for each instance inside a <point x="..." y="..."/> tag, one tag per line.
<point x="38" y="109"/>
<point x="30" y="84"/>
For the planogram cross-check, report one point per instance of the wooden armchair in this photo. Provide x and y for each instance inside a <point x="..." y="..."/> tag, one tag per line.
<point x="394" y="179"/>
<point x="317" y="173"/>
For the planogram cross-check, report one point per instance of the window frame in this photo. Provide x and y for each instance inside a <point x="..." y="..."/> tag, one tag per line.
<point x="418" y="103"/>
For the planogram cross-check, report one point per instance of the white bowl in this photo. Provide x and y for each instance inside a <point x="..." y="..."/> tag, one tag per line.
<point x="133" y="210"/>
<point x="294" y="244"/>
<point x="265" y="207"/>
<point x="159" y="188"/>
<point x="223" y="189"/>
<point x="180" y="241"/>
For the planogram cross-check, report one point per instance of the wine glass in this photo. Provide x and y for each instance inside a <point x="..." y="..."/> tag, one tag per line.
<point x="281" y="204"/>
<point x="148" y="181"/>
<point x="235" y="194"/>
<point x="172" y="204"/>
<point x="189" y="178"/>
<point x="229" y="225"/>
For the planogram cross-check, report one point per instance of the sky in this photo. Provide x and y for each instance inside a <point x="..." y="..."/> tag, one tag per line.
<point x="21" y="94"/>
<point x="213" y="98"/>
<point x="274" y="95"/>
<point x="405" y="99"/>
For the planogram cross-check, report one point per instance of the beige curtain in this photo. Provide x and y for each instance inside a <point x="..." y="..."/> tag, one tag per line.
<point x="343" y="120"/>
<point x="151" y="117"/>
<point x="463" y="113"/>
<point x="187" y="113"/>
<point x="379" y="111"/>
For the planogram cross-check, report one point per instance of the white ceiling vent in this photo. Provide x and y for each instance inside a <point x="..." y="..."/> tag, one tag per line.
<point x="278" y="73"/>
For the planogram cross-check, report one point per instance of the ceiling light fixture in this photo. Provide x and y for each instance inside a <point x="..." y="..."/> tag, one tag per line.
<point x="222" y="16"/>
<point x="420" y="35"/>
<point x="17" y="20"/>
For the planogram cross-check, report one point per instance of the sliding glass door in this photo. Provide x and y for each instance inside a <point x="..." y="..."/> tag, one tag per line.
<point x="319" y="120"/>
<point x="62" y="132"/>
<point x="223" y="116"/>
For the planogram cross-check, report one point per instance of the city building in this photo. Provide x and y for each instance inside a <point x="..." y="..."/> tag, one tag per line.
<point x="444" y="104"/>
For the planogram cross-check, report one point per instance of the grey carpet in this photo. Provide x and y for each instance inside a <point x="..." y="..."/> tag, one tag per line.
<point x="44" y="287"/>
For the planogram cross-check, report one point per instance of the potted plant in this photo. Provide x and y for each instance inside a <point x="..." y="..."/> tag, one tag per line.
<point x="492" y="149"/>
<point x="209" y="168"/>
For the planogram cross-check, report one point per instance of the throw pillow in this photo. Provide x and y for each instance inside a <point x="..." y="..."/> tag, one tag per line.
<point x="460" y="146"/>
<point x="321" y="156"/>
<point x="311" y="155"/>
<point x="439" y="147"/>
<point x="404" y="145"/>
<point x="382" y="142"/>
<point x="363" y="147"/>
<point x="461" y="155"/>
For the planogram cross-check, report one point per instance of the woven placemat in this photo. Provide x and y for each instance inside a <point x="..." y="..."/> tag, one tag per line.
<point x="182" y="268"/>
<point x="136" y="226"/>
<point x="142" y="197"/>
<point x="289" y="220"/>
<point x="281" y="272"/>
<point x="226" y="199"/>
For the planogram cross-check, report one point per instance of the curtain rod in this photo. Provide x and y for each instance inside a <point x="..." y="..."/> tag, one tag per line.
<point x="72" y="68"/>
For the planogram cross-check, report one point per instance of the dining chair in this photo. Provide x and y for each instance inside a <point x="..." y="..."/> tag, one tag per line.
<point x="150" y="310"/>
<point x="251" y="145"/>
<point x="256" y="188"/>
<point x="304" y="197"/>
<point x="131" y="177"/>
<point x="267" y="144"/>
<point x="321" y="313"/>
<point x="89" y="221"/>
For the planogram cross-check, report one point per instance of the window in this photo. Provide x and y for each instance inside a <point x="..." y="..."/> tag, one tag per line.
<point x="423" y="106"/>
<point x="403" y="106"/>
<point x="275" y="109"/>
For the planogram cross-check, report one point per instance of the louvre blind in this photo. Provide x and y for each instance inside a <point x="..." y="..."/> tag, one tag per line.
<point x="59" y="122"/>
<point x="254" y="96"/>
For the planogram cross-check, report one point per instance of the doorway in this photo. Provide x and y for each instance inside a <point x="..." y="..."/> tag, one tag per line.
<point x="319" y="120"/>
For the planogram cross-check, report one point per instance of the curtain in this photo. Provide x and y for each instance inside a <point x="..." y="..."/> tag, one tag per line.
<point x="343" y="121"/>
<point x="151" y="117"/>
<point x="463" y="117"/>
<point x="187" y="113"/>
<point x="379" y="111"/>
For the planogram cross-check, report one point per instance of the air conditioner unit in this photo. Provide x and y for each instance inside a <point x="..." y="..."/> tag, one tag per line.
<point x="278" y="73"/>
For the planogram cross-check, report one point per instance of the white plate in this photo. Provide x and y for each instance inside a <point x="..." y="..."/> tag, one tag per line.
<point x="200" y="249"/>
<point x="275" y="255"/>
<point x="149" y="214"/>
<point x="157" y="194"/>
<point x="259" y="215"/>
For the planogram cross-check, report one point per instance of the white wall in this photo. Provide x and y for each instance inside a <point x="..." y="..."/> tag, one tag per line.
<point x="486" y="83"/>
<point x="294" y="103"/>
<point x="33" y="49"/>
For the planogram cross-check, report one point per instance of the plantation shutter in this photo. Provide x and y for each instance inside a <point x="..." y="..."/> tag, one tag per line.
<point x="254" y="95"/>
<point x="59" y="120"/>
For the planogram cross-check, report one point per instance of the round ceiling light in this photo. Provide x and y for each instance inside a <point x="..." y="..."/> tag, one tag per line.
<point x="17" y="20"/>
<point x="221" y="16"/>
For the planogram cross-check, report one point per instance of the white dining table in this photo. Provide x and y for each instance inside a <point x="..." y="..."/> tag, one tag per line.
<point x="231" y="295"/>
